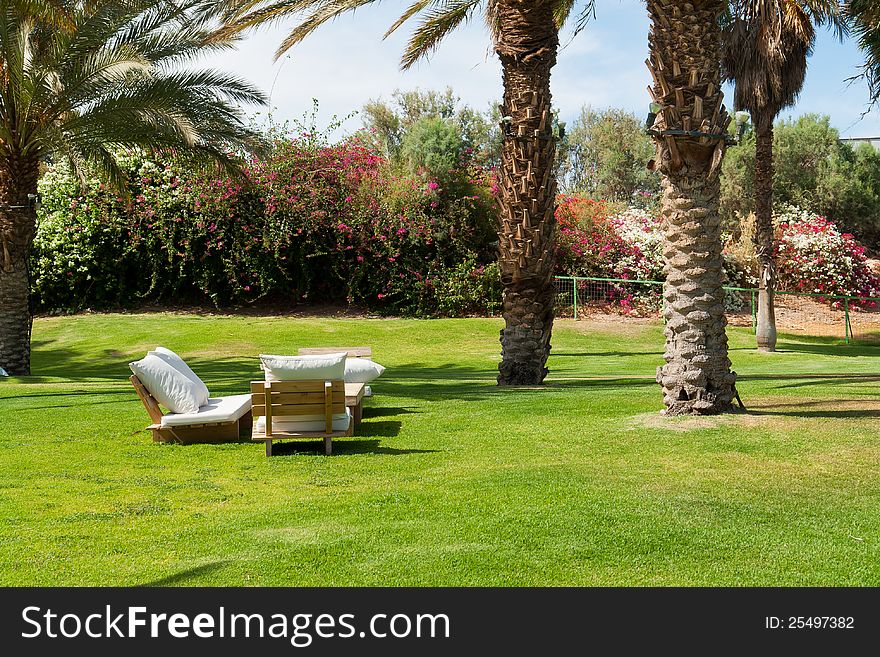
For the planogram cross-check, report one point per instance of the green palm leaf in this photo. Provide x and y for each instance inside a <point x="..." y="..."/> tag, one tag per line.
<point x="84" y="80"/>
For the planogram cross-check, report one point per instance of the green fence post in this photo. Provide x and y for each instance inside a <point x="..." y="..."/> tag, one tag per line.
<point x="574" y="295"/>
<point x="847" y="328"/>
<point x="754" y="313"/>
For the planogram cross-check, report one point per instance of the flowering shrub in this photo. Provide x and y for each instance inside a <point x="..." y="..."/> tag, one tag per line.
<point x="641" y="231"/>
<point x="814" y="256"/>
<point x="311" y="222"/>
<point x="595" y="241"/>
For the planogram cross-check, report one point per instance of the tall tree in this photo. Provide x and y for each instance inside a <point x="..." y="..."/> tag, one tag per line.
<point x="766" y="46"/>
<point x="863" y="17"/>
<point x="690" y="138"/>
<point x="525" y="38"/>
<point x="85" y="81"/>
<point x="607" y="154"/>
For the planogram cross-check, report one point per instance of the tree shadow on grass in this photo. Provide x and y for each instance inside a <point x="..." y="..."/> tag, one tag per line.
<point x="387" y="411"/>
<point x="813" y="381"/>
<point x="417" y="380"/>
<point x="824" y="413"/>
<point x="831" y="347"/>
<point x="587" y="354"/>
<point x="448" y="381"/>
<point x="803" y="379"/>
<point x="48" y="360"/>
<point x="75" y="404"/>
<point x="184" y="575"/>
<point x="97" y="392"/>
<point x="359" y="444"/>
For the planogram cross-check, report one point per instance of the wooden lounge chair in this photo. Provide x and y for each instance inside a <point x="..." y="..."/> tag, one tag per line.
<point x="221" y="420"/>
<point x="299" y="409"/>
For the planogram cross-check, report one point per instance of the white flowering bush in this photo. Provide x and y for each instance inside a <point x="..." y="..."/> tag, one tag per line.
<point x="641" y="230"/>
<point x="813" y="256"/>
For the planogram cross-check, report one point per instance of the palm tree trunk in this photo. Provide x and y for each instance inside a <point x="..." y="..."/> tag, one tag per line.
<point x="685" y="47"/>
<point x="526" y="43"/>
<point x="766" y="326"/>
<point x="18" y="178"/>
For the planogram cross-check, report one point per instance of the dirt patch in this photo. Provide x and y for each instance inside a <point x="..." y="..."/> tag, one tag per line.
<point x="764" y="412"/>
<point x="808" y="316"/>
<point x="610" y="324"/>
<point x="794" y="315"/>
<point x="684" y="424"/>
<point x="811" y="402"/>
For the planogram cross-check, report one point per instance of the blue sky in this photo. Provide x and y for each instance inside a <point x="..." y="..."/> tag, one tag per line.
<point x="346" y="63"/>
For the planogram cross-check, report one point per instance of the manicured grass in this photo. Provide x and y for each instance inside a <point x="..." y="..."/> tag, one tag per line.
<point x="451" y="481"/>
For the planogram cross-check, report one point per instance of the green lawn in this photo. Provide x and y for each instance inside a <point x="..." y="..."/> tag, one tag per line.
<point x="450" y="481"/>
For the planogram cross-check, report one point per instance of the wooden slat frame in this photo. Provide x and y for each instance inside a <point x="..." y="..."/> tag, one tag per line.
<point x="147" y="399"/>
<point x="291" y="398"/>
<point x="312" y="385"/>
<point x="200" y="432"/>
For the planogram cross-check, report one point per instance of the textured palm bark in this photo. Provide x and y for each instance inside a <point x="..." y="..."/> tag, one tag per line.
<point x="764" y="243"/>
<point x="685" y="49"/>
<point x="526" y="43"/>
<point x="18" y="178"/>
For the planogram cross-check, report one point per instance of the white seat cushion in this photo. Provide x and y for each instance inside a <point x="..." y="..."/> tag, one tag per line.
<point x="178" y="363"/>
<point x="304" y="423"/>
<point x="326" y="367"/>
<point x="218" y="409"/>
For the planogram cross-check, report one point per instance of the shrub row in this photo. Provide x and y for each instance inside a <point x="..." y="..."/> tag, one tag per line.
<point x="311" y="223"/>
<point x="317" y="223"/>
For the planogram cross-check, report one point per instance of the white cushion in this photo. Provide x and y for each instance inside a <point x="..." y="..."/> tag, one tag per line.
<point x="219" y="409"/>
<point x="326" y="367"/>
<point x="167" y="384"/>
<point x="362" y="370"/>
<point x="304" y="423"/>
<point x="177" y="362"/>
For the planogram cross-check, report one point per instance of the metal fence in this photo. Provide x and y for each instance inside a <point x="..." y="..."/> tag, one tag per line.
<point x="847" y="318"/>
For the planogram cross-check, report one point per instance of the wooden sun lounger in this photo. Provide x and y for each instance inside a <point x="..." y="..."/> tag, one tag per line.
<point x="271" y="399"/>
<point x="196" y="432"/>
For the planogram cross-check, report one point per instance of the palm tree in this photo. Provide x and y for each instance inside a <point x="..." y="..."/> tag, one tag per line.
<point x="525" y="37"/>
<point x="85" y="81"/>
<point x="766" y="46"/>
<point x="863" y="17"/>
<point x="690" y="139"/>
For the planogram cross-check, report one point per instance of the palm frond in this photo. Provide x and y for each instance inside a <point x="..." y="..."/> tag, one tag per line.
<point x="239" y="16"/>
<point x="587" y="14"/>
<point x="322" y="12"/>
<point x="414" y="8"/>
<point x="863" y="17"/>
<point x="443" y="18"/>
<point x="113" y="82"/>
<point x="767" y="44"/>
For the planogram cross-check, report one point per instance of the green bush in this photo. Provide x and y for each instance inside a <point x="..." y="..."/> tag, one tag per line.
<point x="465" y="289"/>
<point x="432" y="146"/>
<point x="814" y="169"/>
